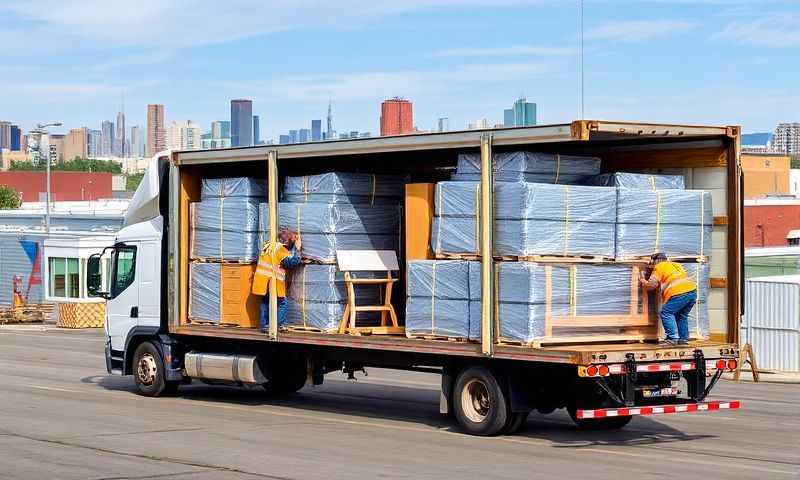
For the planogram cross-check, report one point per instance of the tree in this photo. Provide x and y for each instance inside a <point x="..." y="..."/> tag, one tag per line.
<point x="9" y="198"/>
<point x="795" y="161"/>
<point x="25" y="166"/>
<point x="133" y="180"/>
<point x="77" y="164"/>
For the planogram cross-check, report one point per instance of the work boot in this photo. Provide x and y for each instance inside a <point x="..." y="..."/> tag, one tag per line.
<point x="683" y="341"/>
<point x="671" y="342"/>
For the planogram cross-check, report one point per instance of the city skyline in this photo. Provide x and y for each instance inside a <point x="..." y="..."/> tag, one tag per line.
<point x="649" y="60"/>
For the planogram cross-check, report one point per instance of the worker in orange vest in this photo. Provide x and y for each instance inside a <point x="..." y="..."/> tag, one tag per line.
<point x="273" y="261"/>
<point x="678" y="296"/>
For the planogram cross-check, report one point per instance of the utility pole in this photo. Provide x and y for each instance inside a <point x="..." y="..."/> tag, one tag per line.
<point x="40" y="130"/>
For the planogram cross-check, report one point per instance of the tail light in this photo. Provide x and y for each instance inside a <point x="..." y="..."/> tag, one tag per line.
<point x="592" y="371"/>
<point x="731" y="364"/>
<point x="720" y="364"/>
<point x="604" y="370"/>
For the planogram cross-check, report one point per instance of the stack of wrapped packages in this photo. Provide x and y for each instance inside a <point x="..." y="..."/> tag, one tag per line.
<point x="330" y="212"/>
<point x="223" y="247"/>
<point x="552" y="205"/>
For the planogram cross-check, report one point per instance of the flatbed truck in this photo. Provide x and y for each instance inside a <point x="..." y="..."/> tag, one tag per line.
<point x="489" y="387"/>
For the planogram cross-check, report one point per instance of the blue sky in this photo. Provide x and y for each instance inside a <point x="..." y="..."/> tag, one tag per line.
<point x="686" y="61"/>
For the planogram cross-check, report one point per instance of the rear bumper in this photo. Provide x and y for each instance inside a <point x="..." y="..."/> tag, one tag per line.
<point x="659" y="409"/>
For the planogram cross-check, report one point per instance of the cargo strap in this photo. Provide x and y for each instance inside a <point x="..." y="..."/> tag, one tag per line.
<point x="433" y="298"/>
<point x="702" y="239"/>
<point x="305" y="189"/>
<point x="478" y="218"/>
<point x="658" y="222"/>
<point x="298" y="218"/>
<point x="652" y="179"/>
<point x="566" y="220"/>
<point x="558" y="167"/>
<point x="221" y="229"/>
<point x="303" y="297"/>
<point x="573" y="290"/>
<point x="372" y="195"/>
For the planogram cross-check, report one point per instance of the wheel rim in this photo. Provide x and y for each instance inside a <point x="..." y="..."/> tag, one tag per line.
<point x="146" y="369"/>
<point x="475" y="402"/>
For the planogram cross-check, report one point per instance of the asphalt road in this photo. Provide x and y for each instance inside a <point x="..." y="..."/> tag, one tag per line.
<point x="61" y="416"/>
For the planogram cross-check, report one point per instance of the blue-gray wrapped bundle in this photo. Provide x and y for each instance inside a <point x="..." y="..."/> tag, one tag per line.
<point x="675" y="222"/>
<point x="438" y="298"/>
<point x="640" y="181"/>
<point x="529" y="167"/>
<point x="337" y="187"/>
<point x="530" y="219"/>
<point x="233" y="187"/>
<point x="325" y="228"/>
<point x="224" y="228"/>
<point x="317" y="295"/>
<point x="475" y="301"/>
<point x="204" y="292"/>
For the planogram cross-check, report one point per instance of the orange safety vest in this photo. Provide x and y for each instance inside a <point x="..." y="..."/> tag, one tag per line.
<point x="673" y="280"/>
<point x="269" y="266"/>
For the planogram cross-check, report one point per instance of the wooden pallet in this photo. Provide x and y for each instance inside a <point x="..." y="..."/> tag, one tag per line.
<point x="222" y="260"/>
<point x="646" y="259"/>
<point x="306" y="329"/>
<point x="458" y="256"/>
<point x="31" y="313"/>
<point x="557" y="259"/>
<point x="438" y="338"/>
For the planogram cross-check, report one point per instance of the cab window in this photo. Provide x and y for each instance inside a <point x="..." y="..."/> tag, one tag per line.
<point x="124" y="269"/>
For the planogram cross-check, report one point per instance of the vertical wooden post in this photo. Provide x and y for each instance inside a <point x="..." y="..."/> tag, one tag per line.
<point x="487" y="221"/>
<point x="272" y="198"/>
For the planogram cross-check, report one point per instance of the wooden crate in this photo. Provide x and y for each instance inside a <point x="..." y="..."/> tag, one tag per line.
<point x="237" y="305"/>
<point x="81" y="315"/>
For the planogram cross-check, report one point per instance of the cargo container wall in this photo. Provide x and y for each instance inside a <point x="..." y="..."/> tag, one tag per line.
<point x="772" y="322"/>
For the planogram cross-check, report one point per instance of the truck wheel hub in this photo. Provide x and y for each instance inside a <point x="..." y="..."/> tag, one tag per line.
<point x="146" y="370"/>
<point x="475" y="400"/>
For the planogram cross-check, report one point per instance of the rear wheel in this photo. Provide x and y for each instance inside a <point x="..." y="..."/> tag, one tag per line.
<point x="516" y="421"/>
<point x="149" y="372"/>
<point x="288" y="378"/>
<point x="479" y="403"/>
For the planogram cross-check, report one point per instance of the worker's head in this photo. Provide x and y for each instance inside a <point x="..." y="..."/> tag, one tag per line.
<point x="657" y="258"/>
<point x="287" y="237"/>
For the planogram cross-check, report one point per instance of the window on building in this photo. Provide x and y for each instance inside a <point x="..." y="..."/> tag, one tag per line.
<point x="64" y="281"/>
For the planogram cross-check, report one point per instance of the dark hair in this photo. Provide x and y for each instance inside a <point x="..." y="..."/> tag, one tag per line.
<point x="658" y="257"/>
<point x="287" y="236"/>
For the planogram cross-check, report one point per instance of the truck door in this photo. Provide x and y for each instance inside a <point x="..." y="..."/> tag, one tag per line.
<point x="148" y="277"/>
<point x="123" y="295"/>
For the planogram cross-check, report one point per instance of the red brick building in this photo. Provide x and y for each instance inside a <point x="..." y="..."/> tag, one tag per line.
<point x="63" y="185"/>
<point x="397" y="117"/>
<point x="767" y="222"/>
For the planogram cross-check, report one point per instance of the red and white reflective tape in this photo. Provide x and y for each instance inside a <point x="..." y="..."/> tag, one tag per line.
<point x="665" y="367"/>
<point x="656" y="410"/>
<point x="619" y="368"/>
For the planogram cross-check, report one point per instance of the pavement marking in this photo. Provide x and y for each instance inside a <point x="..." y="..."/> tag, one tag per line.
<point x="42" y="387"/>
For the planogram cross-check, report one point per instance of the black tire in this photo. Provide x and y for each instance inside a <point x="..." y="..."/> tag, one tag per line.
<point x="607" y="423"/>
<point x="287" y="379"/>
<point x="516" y="422"/>
<point x="149" y="372"/>
<point x="479" y="403"/>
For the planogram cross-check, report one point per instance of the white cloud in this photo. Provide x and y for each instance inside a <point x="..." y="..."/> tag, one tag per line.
<point x="53" y="93"/>
<point x="772" y="30"/>
<point x="514" y="50"/>
<point x="638" y="30"/>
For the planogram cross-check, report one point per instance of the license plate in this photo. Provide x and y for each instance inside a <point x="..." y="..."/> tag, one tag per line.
<point x="660" y="392"/>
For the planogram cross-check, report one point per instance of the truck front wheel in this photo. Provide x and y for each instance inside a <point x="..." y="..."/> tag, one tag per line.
<point x="479" y="403"/>
<point x="149" y="372"/>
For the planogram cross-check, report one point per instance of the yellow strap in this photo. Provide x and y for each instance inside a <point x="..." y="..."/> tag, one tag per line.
<point x="658" y="221"/>
<point x="221" y="230"/>
<point x="305" y="189"/>
<point x="303" y="297"/>
<point x="433" y="298"/>
<point x="438" y="247"/>
<point x="573" y="290"/>
<point x="702" y="239"/>
<point x="558" y="166"/>
<point x="496" y="299"/>
<point x="298" y="216"/>
<point x="566" y="220"/>
<point x="477" y="217"/>
<point x="372" y="196"/>
<point x="653" y="182"/>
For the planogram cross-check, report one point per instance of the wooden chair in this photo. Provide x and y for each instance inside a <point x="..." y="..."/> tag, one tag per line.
<point x="369" y="261"/>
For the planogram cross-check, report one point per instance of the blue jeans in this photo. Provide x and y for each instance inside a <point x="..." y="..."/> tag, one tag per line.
<point x="282" y="307"/>
<point x="675" y="315"/>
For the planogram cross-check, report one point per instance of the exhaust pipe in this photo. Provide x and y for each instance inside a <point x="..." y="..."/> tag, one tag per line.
<point x="217" y="366"/>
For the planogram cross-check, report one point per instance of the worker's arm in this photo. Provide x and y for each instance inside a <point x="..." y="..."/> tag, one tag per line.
<point x="293" y="260"/>
<point x="651" y="283"/>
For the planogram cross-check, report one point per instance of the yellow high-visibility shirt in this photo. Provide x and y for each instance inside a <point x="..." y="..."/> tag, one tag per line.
<point x="673" y="280"/>
<point x="269" y="265"/>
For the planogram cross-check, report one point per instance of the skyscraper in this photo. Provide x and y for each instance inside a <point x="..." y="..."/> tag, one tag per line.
<point x="137" y="142"/>
<point x="293" y="136"/>
<point x="786" y="139"/>
<point x="397" y="117"/>
<point x="329" y="133"/>
<point x="16" y="138"/>
<point x="316" y="130"/>
<point x="94" y="144"/>
<point x="155" y="129"/>
<point x="284" y="139"/>
<point x="304" y="135"/>
<point x="107" y="129"/>
<point x="443" y="124"/>
<point x="5" y="135"/>
<point x="120" y="139"/>
<point x="522" y="114"/>
<point x="76" y="144"/>
<point x="256" y="131"/>
<point x="241" y="123"/>
<point x="184" y="136"/>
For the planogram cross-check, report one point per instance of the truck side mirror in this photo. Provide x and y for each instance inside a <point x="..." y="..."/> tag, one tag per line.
<point x="94" y="277"/>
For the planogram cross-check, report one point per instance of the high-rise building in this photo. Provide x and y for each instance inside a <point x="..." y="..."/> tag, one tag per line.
<point x="293" y="136"/>
<point x="225" y="129"/>
<point x="316" y="130"/>
<point x="107" y="129"/>
<point x="479" y="124"/>
<point x="155" y="129"/>
<point x="256" y="131"/>
<point x="120" y="139"/>
<point x="55" y="142"/>
<point x="184" y="136"/>
<point x="94" y="144"/>
<point x="304" y="135"/>
<point x="216" y="130"/>
<point x="786" y="139"/>
<point x="76" y="144"/>
<point x="443" y="124"/>
<point x="16" y="138"/>
<point x="241" y="123"/>
<point x="521" y="114"/>
<point x="284" y="139"/>
<point x="329" y="133"/>
<point x="137" y="142"/>
<point x="5" y="135"/>
<point x="397" y="117"/>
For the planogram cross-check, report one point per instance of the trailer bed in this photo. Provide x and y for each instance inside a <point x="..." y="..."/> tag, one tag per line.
<point x="578" y="354"/>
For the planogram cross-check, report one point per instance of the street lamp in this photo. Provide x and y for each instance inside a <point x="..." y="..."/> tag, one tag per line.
<point x="40" y="129"/>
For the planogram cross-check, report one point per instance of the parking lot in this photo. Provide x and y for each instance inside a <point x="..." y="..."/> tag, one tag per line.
<point x="62" y="416"/>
